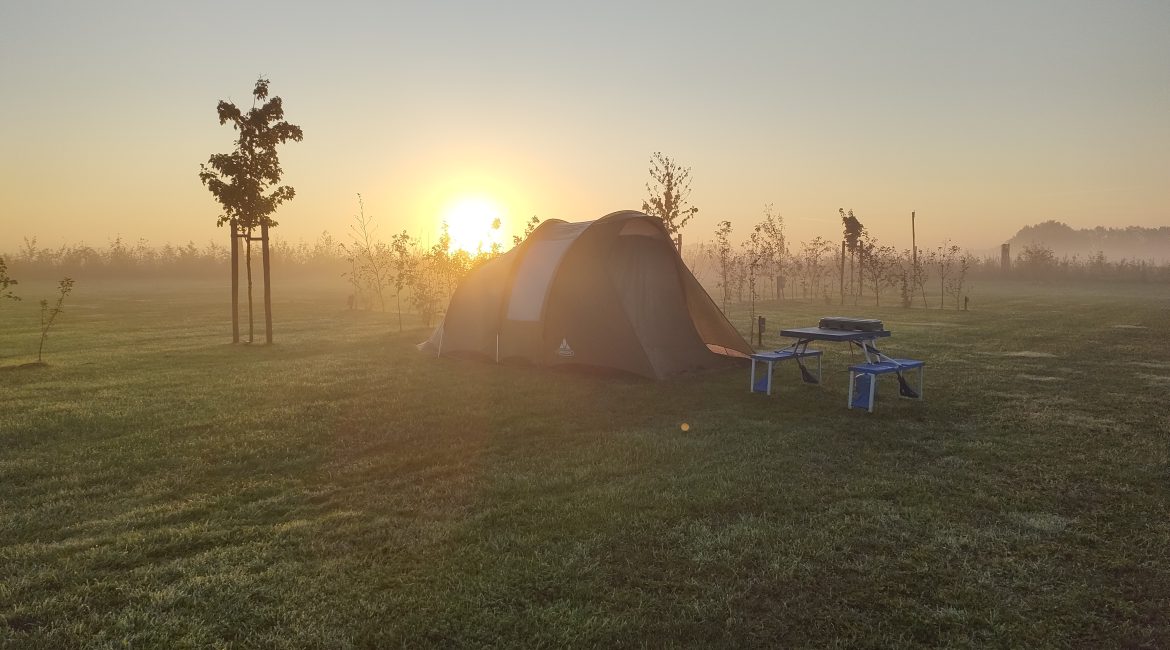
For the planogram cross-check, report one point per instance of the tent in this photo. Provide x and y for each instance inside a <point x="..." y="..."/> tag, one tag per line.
<point x="610" y="293"/>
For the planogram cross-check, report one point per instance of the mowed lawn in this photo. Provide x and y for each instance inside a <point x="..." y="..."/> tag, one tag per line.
<point x="160" y="487"/>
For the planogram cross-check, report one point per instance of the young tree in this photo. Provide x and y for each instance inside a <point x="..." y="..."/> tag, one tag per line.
<point x="529" y="228"/>
<point x="726" y="258"/>
<point x="6" y="281"/>
<point x="240" y="181"/>
<point x="370" y="258"/>
<point x="755" y="257"/>
<point x="945" y="258"/>
<point x="954" y="285"/>
<point x="812" y="266"/>
<point x="404" y="264"/>
<point x="884" y="267"/>
<point x="670" y="193"/>
<point x="49" y="314"/>
<point x="771" y="229"/>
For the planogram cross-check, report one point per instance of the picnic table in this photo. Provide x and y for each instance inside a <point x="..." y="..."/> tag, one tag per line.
<point x="862" y="387"/>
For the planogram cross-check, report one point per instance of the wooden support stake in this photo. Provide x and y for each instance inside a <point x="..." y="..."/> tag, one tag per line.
<point x="235" y="283"/>
<point x="267" y="285"/>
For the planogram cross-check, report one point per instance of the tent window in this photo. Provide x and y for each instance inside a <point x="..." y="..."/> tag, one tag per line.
<point x="640" y="227"/>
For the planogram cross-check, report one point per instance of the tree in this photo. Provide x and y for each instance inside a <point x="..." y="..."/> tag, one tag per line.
<point x="6" y="281"/>
<point x="49" y="314"/>
<point x="883" y="265"/>
<point x="852" y="234"/>
<point x="945" y="258"/>
<point x="726" y="258"/>
<point x="771" y="229"/>
<point x="954" y="284"/>
<point x="669" y="193"/>
<point x="756" y="254"/>
<point x="368" y="257"/>
<point x="240" y="181"/>
<point x="404" y="266"/>
<point x="529" y="228"/>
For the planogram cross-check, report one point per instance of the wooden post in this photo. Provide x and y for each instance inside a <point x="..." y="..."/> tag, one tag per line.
<point x="1005" y="258"/>
<point x="235" y="284"/>
<point x="913" y="244"/>
<point x="267" y="284"/>
<point x="678" y="243"/>
<point x="842" y="271"/>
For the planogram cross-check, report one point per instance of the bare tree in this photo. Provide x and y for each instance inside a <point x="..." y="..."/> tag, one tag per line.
<point x="954" y="284"/>
<point x="945" y="257"/>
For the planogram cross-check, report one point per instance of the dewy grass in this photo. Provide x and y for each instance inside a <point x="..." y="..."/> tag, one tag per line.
<point x="161" y="488"/>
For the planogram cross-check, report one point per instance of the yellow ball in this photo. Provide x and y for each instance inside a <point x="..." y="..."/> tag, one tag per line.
<point x="685" y="427"/>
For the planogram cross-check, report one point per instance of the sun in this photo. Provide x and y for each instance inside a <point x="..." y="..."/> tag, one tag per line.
<point x="474" y="224"/>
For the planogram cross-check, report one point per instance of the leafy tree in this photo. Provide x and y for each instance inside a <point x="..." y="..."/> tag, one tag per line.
<point x="756" y="253"/>
<point x="529" y="228"/>
<point x="884" y="267"/>
<point x="403" y="263"/>
<point x="244" y="182"/>
<point x="852" y="234"/>
<point x="1037" y="261"/>
<point x="6" y="281"/>
<point x="726" y="258"/>
<point x="771" y="229"/>
<point x="669" y="193"/>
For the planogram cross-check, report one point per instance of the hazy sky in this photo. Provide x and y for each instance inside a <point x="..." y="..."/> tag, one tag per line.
<point x="981" y="116"/>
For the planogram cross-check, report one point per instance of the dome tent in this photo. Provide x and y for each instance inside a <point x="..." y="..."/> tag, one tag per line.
<point x="610" y="293"/>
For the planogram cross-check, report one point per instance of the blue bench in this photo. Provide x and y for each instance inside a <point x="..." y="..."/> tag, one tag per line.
<point x="764" y="384"/>
<point x="863" y="380"/>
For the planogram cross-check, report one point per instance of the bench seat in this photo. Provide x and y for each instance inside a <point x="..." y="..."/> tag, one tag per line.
<point x="764" y="383"/>
<point x="863" y="380"/>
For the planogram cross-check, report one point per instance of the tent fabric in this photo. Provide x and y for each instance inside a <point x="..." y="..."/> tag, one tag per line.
<point x="610" y="293"/>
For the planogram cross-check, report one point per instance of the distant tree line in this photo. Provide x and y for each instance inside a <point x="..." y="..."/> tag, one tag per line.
<point x="402" y="274"/>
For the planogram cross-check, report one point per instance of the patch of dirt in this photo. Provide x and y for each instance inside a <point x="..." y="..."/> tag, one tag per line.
<point x="1160" y="380"/>
<point x="1130" y="327"/>
<point x="1030" y="354"/>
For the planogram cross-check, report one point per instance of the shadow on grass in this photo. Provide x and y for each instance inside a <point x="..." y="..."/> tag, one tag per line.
<point x="25" y="366"/>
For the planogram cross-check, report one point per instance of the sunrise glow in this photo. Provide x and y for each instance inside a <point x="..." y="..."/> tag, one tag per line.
<point x="474" y="224"/>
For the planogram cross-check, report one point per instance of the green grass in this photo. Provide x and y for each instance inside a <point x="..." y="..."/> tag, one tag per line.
<point x="160" y="487"/>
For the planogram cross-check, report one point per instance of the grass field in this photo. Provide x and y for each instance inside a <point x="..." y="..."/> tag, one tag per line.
<point x="160" y="487"/>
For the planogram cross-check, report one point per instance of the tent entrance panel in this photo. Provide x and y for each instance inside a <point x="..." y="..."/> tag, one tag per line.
<point x="585" y="323"/>
<point x="646" y="279"/>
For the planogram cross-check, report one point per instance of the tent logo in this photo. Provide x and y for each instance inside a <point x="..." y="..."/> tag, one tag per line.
<point x="565" y="350"/>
